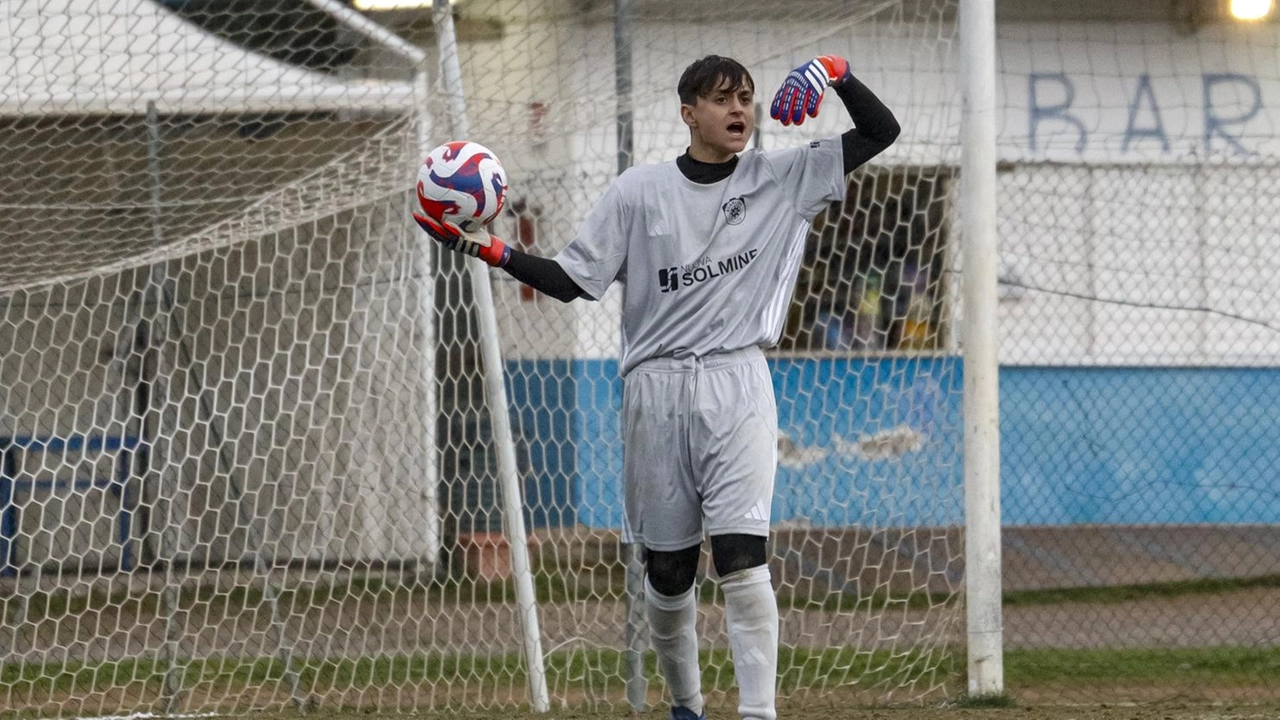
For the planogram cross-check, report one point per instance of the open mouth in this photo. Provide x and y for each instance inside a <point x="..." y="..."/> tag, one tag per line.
<point x="737" y="128"/>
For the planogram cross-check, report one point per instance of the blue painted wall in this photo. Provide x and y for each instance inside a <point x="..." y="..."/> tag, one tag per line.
<point x="1140" y="445"/>
<point x="869" y="441"/>
<point x="566" y="419"/>
<point x="878" y="442"/>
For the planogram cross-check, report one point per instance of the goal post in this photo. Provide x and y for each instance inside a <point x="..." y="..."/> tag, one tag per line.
<point x="978" y="214"/>
<point x="513" y="522"/>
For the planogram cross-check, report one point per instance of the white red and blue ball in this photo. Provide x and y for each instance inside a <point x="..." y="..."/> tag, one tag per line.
<point x="462" y="183"/>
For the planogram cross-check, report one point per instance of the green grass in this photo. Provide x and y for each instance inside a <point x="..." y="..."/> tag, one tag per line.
<point x="1219" y="666"/>
<point x="46" y="605"/>
<point x="566" y="671"/>
<point x="586" y="672"/>
<point x="549" y="588"/>
<point x="553" y="586"/>
<point x="572" y="672"/>
<point x="1139" y="591"/>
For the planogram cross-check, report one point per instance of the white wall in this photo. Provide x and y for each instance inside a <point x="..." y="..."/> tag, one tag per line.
<point x="1153" y="190"/>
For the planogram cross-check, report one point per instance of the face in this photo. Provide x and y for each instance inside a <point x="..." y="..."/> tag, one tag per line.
<point x="721" y="123"/>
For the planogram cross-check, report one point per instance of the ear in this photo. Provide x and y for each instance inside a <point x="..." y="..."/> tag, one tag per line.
<point x="686" y="114"/>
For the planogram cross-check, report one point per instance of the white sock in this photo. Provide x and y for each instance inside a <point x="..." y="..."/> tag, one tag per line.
<point x="751" y="613"/>
<point x="673" y="632"/>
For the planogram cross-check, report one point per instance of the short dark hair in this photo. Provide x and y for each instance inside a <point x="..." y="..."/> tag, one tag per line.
<point x="706" y="74"/>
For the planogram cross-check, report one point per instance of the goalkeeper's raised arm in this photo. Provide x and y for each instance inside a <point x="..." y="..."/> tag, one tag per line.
<point x="875" y="127"/>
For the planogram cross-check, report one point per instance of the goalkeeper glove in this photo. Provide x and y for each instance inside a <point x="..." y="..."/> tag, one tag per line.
<point x="801" y="92"/>
<point x="486" y="246"/>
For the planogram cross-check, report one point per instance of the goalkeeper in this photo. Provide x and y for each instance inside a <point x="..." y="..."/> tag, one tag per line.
<point x="707" y="247"/>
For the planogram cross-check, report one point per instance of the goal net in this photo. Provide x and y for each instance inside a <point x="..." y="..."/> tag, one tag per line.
<point x="1139" y="318"/>
<point x="248" y="455"/>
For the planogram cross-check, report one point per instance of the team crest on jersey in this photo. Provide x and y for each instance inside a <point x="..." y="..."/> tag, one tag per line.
<point x="735" y="211"/>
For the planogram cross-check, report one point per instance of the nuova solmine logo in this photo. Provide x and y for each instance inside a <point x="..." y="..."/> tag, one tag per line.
<point x="673" y="278"/>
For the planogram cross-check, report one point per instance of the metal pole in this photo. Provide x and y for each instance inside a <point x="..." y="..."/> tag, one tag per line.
<point x="496" y="392"/>
<point x="427" y="326"/>
<point x="622" y="81"/>
<point x="153" y="352"/>
<point x="632" y="553"/>
<point x="372" y="31"/>
<point x="981" y="345"/>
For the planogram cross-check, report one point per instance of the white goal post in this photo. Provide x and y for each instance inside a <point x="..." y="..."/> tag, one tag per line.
<point x="984" y="620"/>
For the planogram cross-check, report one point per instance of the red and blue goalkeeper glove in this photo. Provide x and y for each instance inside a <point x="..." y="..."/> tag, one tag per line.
<point x="486" y="246"/>
<point x="801" y="92"/>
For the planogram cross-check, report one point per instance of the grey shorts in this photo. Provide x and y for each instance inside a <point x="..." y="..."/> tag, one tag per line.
<point x="700" y="448"/>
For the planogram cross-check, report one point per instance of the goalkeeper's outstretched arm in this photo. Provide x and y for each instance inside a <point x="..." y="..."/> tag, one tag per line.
<point x="544" y="275"/>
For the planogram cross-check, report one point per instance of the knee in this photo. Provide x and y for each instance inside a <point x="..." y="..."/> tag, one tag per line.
<point x="671" y="573"/>
<point x="736" y="552"/>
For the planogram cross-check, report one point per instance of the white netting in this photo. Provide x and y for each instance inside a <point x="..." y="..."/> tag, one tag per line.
<point x="1140" y="330"/>
<point x="247" y="456"/>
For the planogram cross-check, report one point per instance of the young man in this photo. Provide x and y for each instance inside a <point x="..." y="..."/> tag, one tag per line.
<point x="708" y="247"/>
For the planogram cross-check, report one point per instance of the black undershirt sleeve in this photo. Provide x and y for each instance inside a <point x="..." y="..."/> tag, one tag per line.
<point x="542" y="274"/>
<point x="875" y="126"/>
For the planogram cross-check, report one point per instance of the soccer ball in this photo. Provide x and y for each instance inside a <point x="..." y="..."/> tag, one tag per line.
<point x="463" y="184"/>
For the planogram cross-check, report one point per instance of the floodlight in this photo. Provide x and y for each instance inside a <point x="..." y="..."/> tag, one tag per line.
<point x="1251" y="9"/>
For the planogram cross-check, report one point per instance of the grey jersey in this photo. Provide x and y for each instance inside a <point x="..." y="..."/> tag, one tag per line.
<point x="706" y="268"/>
